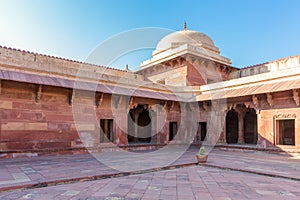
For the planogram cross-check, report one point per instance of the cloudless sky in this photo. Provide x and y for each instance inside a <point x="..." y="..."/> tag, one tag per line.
<point x="246" y="31"/>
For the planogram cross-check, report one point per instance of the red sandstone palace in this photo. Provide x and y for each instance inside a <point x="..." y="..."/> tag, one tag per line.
<point x="185" y="93"/>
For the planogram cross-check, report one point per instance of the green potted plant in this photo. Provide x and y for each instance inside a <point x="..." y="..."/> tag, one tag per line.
<point x="201" y="156"/>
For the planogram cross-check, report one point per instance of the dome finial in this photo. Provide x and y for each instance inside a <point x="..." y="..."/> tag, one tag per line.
<point x="126" y="68"/>
<point x="184" y="25"/>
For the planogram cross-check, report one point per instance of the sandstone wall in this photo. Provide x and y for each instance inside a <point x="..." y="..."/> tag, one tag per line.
<point x="62" y="119"/>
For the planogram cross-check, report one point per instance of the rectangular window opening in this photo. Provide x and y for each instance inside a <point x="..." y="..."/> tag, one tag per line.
<point x="172" y="130"/>
<point x="106" y="130"/>
<point x="201" y="133"/>
<point x="285" y="132"/>
<point x="202" y="126"/>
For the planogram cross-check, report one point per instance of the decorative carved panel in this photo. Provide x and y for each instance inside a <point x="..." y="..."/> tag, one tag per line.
<point x="38" y="93"/>
<point x="296" y="97"/>
<point x="270" y="99"/>
<point x="285" y="116"/>
<point x="99" y="99"/>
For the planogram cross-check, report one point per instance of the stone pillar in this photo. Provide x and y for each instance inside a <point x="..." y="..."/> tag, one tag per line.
<point x="255" y="138"/>
<point x="162" y="124"/>
<point x="121" y="124"/>
<point x="222" y="138"/>
<point x="222" y="114"/>
<point x="241" y="136"/>
<point x="218" y="112"/>
<point x="190" y="121"/>
<point x="105" y="131"/>
<point x="121" y="121"/>
<point x="135" y="134"/>
<point x="261" y="142"/>
<point x="154" y="134"/>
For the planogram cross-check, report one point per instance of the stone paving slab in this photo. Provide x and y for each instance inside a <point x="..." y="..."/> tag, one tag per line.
<point x="276" y="165"/>
<point x="52" y="170"/>
<point x="195" y="183"/>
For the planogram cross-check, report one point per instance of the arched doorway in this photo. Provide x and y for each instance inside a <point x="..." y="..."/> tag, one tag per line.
<point x="232" y="128"/>
<point x="250" y="127"/>
<point x="144" y="127"/>
<point x="139" y="125"/>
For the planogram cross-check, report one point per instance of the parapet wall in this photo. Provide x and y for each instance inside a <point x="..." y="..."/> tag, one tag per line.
<point x="277" y="65"/>
<point x="42" y="64"/>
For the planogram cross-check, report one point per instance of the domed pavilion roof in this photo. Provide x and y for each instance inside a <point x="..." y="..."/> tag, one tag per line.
<point x="185" y="36"/>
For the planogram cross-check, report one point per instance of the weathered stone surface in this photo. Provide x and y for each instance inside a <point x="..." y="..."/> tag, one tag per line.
<point x="36" y="116"/>
<point x="13" y="126"/>
<point x="5" y="105"/>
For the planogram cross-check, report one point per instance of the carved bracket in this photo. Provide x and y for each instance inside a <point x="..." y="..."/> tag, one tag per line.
<point x="131" y="103"/>
<point x="255" y="101"/>
<point x="168" y="105"/>
<point x="231" y="106"/>
<point x="164" y="104"/>
<point x="247" y="104"/>
<point x="172" y="105"/>
<point x="285" y="116"/>
<point x="38" y="93"/>
<point x="117" y="100"/>
<point x="99" y="99"/>
<point x="218" y="107"/>
<point x="215" y="105"/>
<point x="206" y="106"/>
<point x="70" y="96"/>
<point x="296" y="97"/>
<point x="190" y="59"/>
<point x="179" y="60"/>
<point x="270" y="99"/>
<point x="241" y="110"/>
<point x="120" y="100"/>
<point x="188" y="106"/>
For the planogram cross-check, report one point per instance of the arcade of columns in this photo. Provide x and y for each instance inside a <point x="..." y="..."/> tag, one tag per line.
<point x="203" y="73"/>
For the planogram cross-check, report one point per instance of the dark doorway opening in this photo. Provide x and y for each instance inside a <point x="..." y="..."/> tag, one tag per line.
<point x="250" y="127"/>
<point x="139" y="125"/>
<point x="201" y="133"/>
<point x="286" y="131"/>
<point x="232" y="128"/>
<point x="106" y="130"/>
<point x="202" y="126"/>
<point x="172" y="130"/>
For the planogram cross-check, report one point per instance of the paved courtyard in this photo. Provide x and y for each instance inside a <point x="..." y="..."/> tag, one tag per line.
<point x="227" y="175"/>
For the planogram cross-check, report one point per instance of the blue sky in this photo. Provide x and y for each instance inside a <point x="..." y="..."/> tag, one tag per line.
<point x="248" y="32"/>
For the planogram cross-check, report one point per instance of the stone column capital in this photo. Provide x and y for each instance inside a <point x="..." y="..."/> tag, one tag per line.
<point x="241" y="111"/>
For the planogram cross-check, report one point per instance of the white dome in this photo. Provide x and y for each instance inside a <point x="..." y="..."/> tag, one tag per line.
<point x="186" y="37"/>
